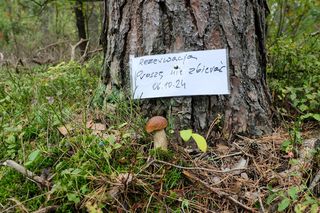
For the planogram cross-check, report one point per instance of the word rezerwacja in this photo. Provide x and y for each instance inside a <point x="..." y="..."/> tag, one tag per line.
<point x="166" y="59"/>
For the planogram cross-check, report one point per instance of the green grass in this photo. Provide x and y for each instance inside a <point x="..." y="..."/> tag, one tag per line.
<point x="84" y="162"/>
<point x="34" y="103"/>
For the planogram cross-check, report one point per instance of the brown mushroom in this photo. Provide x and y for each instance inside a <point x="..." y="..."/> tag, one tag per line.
<point x="157" y="124"/>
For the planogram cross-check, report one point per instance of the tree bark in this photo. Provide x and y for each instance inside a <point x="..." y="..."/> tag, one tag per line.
<point x="81" y="26"/>
<point x="144" y="27"/>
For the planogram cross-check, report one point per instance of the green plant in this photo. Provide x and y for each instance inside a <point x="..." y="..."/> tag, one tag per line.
<point x="201" y="142"/>
<point x="293" y="52"/>
<point x="172" y="178"/>
<point x="295" y="139"/>
<point x="295" y="197"/>
<point x="32" y="105"/>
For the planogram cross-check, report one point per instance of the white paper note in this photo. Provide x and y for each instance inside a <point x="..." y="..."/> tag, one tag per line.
<point x="180" y="74"/>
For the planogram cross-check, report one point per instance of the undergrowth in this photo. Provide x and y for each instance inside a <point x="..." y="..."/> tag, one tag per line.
<point x="90" y="144"/>
<point x="294" y="79"/>
<point x="60" y="123"/>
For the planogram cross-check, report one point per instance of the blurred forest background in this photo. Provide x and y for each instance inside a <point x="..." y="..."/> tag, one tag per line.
<point x="57" y="120"/>
<point x="45" y="31"/>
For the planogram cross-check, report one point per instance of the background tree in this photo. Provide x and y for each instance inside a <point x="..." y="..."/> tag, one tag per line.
<point x="158" y="27"/>
<point x="80" y="22"/>
<point x="42" y="30"/>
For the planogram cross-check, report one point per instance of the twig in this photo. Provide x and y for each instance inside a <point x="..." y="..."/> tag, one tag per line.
<point x="26" y="172"/>
<point x="229" y="155"/>
<point x="244" y="152"/>
<point x="94" y="51"/>
<point x="50" y="45"/>
<point x="88" y="54"/>
<point x="19" y="205"/>
<point x="13" y="206"/>
<point x="315" y="181"/>
<point x="199" y="168"/>
<point x="39" y="62"/>
<point x="150" y="198"/>
<point x="73" y="48"/>
<point x="315" y="33"/>
<point x="85" y="53"/>
<point x="46" y="209"/>
<point x="260" y="202"/>
<point x="244" y="138"/>
<point x="218" y="192"/>
<point x="214" y="122"/>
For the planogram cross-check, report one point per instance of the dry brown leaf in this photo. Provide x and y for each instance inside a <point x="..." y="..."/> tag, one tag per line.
<point x="222" y="149"/>
<point x="122" y="180"/>
<point x="98" y="127"/>
<point x="89" y="124"/>
<point x="65" y="130"/>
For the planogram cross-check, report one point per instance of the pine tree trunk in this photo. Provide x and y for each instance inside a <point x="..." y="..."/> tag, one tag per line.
<point x="140" y="27"/>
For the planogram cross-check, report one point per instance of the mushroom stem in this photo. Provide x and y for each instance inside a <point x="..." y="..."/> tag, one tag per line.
<point x="160" y="140"/>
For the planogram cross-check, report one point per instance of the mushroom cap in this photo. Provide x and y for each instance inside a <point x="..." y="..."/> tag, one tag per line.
<point x="156" y="123"/>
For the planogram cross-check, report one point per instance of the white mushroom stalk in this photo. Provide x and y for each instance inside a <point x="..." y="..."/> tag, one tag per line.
<point x="157" y="124"/>
<point x="160" y="140"/>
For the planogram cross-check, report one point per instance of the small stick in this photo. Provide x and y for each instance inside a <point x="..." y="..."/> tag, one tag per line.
<point x="47" y="209"/>
<point x="199" y="168"/>
<point x="315" y="181"/>
<point x="21" y="207"/>
<point x="229" y="155"/>
<point x="218" y="192"/>
<point x="73" y="48"/>
<point x="244" y="152"/>
<point x="214" y="122"/>
<point x="26" y="172"/>
<point x="260" y="201"/>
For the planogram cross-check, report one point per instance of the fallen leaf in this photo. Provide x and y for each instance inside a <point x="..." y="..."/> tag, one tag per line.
<point x="252" y="196"/>
<point x="89" y="124"/>
<point x="65" y="130"/>
<point x="244" y="176"/>
<point x="222" y="149"/>
<point x="98" y="127"/>
<point x="242" y="164"/>
<point x="121" y="181"/>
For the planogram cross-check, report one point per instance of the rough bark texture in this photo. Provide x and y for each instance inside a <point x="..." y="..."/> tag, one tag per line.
<point x="80" y="21"/>
<point x="143" y="27"/>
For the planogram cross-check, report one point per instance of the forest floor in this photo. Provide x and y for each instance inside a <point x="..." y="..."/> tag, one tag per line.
<point x="88" y="151"/>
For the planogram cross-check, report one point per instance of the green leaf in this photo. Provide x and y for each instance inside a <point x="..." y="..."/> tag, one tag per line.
<point x="316" y="116"/>
<point x="201" y="142"/>
<point x="285" y="144"/>
<point x="186" y="134"/>
<point x="73" y="197"/>
<point x="271" y="198"/>
<point x="284" y="204"/>
<point x="293" y="191"/>
<point x="33" y="157"/>
<point x="303" y="107"/>
<point x="314" y="208"/>
<point x="311" y="115"/>
<point x="76" y="171"/>
<point x="299" y="208"/>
